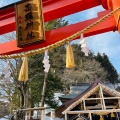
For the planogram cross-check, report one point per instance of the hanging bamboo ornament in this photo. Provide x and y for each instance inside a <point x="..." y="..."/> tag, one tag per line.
<point x="112" y="115"/>
<point x="69" y="57"/>
<point x="23" y="75"/>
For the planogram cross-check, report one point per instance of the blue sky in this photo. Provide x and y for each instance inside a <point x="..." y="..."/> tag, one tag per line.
<point x="108" y="43"/>
<point x="7" y="2"/>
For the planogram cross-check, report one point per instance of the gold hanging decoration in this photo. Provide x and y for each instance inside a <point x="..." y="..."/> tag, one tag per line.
<point x="69" y="57"/>
<point x="112" y="115"/>
<point x="101" y="118"/>
<point x="23" y="75"/>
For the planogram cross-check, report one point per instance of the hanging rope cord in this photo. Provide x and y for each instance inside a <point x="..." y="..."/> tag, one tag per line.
<point x="61" y="42"/>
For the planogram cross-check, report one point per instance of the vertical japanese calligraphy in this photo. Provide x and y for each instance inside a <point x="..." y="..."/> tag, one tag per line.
<point x="29" y="23"/>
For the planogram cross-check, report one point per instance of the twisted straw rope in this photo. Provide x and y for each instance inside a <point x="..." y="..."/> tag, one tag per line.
<point x="61" y="42"/>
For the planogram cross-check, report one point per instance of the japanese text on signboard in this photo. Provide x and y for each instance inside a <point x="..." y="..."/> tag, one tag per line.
<point x="29" y="22"/>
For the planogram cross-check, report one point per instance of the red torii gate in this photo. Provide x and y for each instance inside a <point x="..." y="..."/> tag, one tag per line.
<point x="53" y="9"/>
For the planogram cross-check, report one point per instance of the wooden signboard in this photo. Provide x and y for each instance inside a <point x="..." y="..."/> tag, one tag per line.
<point x="29" y="22"/>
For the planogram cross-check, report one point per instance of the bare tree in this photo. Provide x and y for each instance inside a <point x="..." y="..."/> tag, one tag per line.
<point x="83" y="72"/>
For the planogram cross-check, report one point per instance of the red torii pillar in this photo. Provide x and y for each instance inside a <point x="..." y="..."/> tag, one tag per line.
<point x="112" y="5"/>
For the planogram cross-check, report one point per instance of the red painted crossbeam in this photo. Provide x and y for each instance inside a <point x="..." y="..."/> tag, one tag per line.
<point x="56" y="35"/>
<point x="52" y="9"/>
<point x="62" y="8"/>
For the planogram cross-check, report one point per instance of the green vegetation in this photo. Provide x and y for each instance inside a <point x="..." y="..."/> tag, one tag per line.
<point x="107" y="65"/>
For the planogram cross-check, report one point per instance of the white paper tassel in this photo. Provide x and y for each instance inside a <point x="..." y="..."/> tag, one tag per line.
<point x="84" y="46"/>
<point x="82" y="41"/>
<point x="85" y="50"/>
<point x="46" y="62"/>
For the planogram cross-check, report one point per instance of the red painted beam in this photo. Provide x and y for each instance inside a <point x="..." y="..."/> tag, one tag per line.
<point x="7" y="13"/>
<point x="62" y="8"/>
<point x="52" y="9"/>
<point x="56" y="35"/>
<point x="7" y="25"/>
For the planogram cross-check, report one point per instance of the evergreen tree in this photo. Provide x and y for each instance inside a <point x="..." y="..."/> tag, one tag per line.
<point x="55" y="24"/>
<point x="107" y="65"/>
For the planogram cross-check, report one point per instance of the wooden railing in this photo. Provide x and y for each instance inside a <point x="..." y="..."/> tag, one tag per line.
<point x="28" y="115"/>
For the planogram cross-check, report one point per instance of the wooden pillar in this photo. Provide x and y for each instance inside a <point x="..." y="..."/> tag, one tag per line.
<point x="43" y="114"/>
<point x="102" y="98"/>
<point x="26" y="116"/>
<point x="119" y="102"/>
<point x="90" y="116"/>
<point x="84" y="104"/>
<point x="29" y="115"/>
<point x="113" y="4"/>
<point x="52" y="114"/>
<point x="65" y="115"/>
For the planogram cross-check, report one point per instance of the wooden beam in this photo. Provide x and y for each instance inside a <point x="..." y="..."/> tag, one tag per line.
<point x="32" y="109"/>
<point x="101" y="98"/>
<point x="98" y="107"/>
<point x="56" y="35"/>
<point x="93" y="111"/>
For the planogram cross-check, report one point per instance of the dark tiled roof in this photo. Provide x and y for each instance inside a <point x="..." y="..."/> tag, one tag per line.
<point x="81" y="84"/>
<point x="69" y="96"/>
